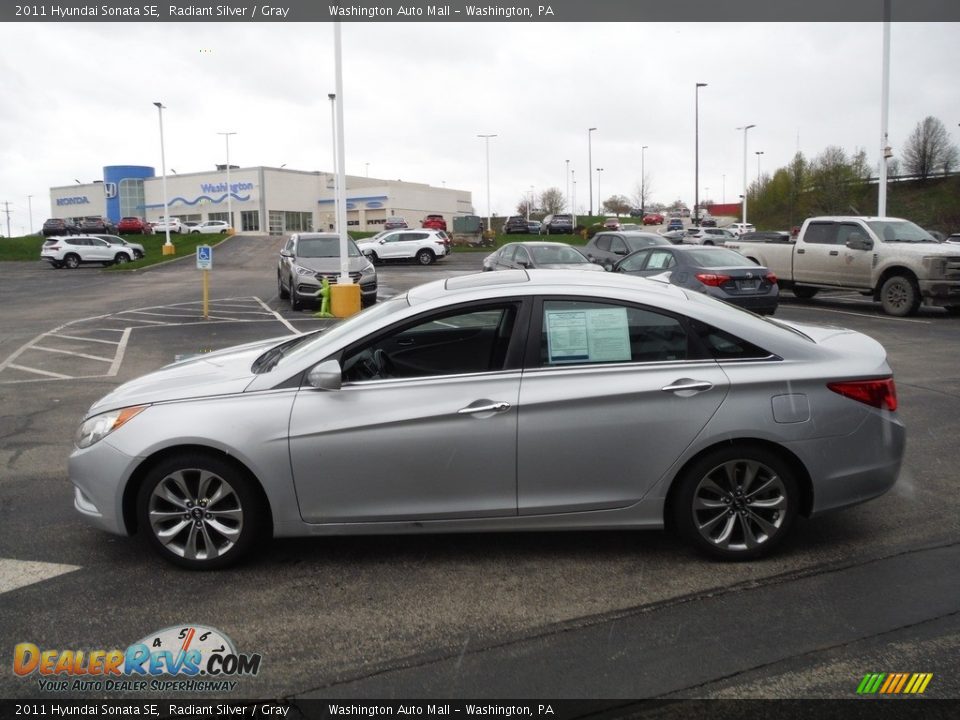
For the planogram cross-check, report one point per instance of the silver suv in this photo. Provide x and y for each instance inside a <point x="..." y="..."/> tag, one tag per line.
<point x="308" y="258"/>
<point x="424" y="246"/>
<point x="73" y="250"/>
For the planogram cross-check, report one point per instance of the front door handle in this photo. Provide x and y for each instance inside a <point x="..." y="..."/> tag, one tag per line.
<point x="834" y="252"/>
<point x="492" y="407"/>
<point x="696" y="385"/>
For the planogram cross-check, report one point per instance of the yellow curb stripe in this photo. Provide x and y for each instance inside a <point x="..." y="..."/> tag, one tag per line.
<point x="912" y="684"/>
<point x="926" y="681"/>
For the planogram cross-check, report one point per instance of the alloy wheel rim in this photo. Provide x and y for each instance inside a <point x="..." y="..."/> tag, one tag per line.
<point x="896" y="294"/>
<point x="739" y="505"/>
<point x="195" y="514"/>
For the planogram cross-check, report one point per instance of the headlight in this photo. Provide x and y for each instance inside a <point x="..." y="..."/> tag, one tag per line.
<point x="99" y="426"/>
<point x="367" y="271"/>
<point x="304" y="271"/>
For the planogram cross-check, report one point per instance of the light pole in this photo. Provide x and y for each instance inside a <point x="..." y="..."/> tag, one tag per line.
<point x="168" y="248"/>
<point x="643" y="186"/>
<point x="568" y="183"/>
<point x="336" y="175"/>
<point x="529" y="203"/>
<point x="758" y="153"/>
<point x="724" y="192"/>
<point x="696" y="153"/>
<point x="486" y="140"/>
<point x="743" y="209"/>
<point x="30" y="211"/>
<point x="367" y="169"/>
<point x="599" y="196"/>
<point x="344" y="278"/>
<point x="226" y="136"/>
<point x="885" y="151"/>
<point x="590" y="165"/>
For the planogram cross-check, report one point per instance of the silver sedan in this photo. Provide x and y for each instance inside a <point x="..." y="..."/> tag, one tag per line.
<point x="523" y="400"/>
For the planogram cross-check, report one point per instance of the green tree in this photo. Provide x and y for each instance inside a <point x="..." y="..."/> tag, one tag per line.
<point x="928" y="150"/>
<point x="552" y="201"/>
<point x="617" y="204"/>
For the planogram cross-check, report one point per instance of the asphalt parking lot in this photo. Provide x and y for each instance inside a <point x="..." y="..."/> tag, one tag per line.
<point x="590" y="614"/>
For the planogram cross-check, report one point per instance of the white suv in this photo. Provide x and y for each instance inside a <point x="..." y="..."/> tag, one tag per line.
<point x="739" y="229"/>
<point x="72" y="250"/>
<point x="708" y="236"/>
<point x="160" y="226"/>
<point x="424" y="246"/>
<point x="210" y="227"/>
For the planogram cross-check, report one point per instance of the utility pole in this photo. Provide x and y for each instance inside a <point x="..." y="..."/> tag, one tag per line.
<point x="6" y="209"/>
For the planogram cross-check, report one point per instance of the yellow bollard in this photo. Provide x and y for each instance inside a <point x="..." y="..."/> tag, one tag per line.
<point x="169" y="249"/>
<point x="344" y="300"/>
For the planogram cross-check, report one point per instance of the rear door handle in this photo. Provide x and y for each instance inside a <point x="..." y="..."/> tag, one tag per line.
<point x="697" y="385"/>
<point x="801" y="251"/>
<point x="834" y="252"/>
<point x="492" y="407"/>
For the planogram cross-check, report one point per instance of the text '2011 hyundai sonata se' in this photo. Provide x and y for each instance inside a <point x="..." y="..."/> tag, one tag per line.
<point x="524" y="400"/>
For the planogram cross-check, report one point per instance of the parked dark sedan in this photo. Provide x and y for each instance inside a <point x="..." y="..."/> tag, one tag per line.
<point x="719" y="272"/>
<point x="59" y="226"/>
<point x="537" y="256"/>
<point x="97" y="224"/>
<point x="606" y="248"/>
<point x="515" y="224"/>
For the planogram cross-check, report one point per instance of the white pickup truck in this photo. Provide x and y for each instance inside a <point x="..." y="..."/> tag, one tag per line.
<point x="892" y="260"/>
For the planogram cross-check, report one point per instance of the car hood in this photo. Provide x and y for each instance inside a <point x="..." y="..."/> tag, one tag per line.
<point x="332" y="264"/>
<point x="224" y="372"/>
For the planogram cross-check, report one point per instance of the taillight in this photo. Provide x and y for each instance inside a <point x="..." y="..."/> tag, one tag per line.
<point x="713" y="280"/>
<point x="881" y="393"/>
<point x="771" y="278"/>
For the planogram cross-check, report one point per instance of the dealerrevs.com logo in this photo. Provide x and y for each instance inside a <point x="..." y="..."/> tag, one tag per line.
<point x="187" y="658"/>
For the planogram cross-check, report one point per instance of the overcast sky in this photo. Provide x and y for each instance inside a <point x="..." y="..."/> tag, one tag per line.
<point x="78" y="96"/>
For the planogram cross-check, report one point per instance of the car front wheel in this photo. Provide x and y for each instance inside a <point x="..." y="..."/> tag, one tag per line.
<point x="900" y="296"/>
<point x="736" y="503"/>
<point x="199" y="511"/>
<point x="121" y="258"/>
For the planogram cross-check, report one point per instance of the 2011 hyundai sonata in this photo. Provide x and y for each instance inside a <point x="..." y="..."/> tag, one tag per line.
<point x="523" y="400"/>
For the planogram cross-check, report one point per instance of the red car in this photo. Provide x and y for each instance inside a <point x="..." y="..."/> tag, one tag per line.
<point x="434" y="222"/>
<point x="653" y="219"/>
<point x="133" y="226"/>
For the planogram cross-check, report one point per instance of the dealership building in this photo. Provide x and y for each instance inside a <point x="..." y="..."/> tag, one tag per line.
<point x="262" y="199"/>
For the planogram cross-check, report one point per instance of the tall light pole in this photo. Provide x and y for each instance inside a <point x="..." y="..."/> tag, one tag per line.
<point x="643" y="186"/>
<point x="168" y="248"/>
<point x="568" y="184"/>
<point x="758" y="153"/>
<point x="344" y="278"/>
<point x="226" y="136"/>
<point x="724" y="191"/>
<point x="696" y="153"/>
<point x="590" y="165"/>
<point x="530" y="203"/>
<point x="599" y="196"/>
<point x="367" y="169"/>
<point x="336" y="175"/>
<point x="486" y="140"/>
<point x="30" y="211"/>
<point x="743" y="208"/>
<point x="885" y="152"/>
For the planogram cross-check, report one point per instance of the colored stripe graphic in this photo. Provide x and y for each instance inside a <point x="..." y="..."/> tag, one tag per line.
<point x="894" y="683"/>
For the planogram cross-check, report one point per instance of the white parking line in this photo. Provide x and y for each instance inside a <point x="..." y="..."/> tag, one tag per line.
<point x="278" y="316"/>
<point x="40" y="372"/>
<point x="20" y="573"/>
<point x="71" y="352"/>
<point x="856" y="314"/>
<point x="84" y="339"/>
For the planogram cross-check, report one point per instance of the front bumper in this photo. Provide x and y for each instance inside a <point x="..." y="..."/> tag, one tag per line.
<point x="99" y="475"/>
<point x="940" y="292"/>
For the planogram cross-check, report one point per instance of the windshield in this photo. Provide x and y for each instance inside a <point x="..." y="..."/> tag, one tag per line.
<point x="900" y="231"/>
<point x="305" y="344"/>
<point x="556" y="255"/>
<point x="326" y="247"/>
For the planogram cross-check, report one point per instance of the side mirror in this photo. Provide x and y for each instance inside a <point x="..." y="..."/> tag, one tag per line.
<point x="860" y="243"/>
<point x="325" y="376"/>
<point x="286" y="253"/>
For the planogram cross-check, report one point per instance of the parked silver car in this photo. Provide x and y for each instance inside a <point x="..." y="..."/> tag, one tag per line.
<point x="308" y="258"/>
<point x="524" y="400"/>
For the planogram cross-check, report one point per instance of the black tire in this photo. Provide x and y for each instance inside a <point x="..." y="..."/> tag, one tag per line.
<point x="71" y="260"/>
<point x="295" y="302"/>
<point x="121" y="259"/>
<point x="137" y="255"/>
<point x="425" y="257"/>
<point x="713" y="513"/>
<point x="282" y="291"/>
<point x="708" y="242"/>
<point x="804" y="293"/>
<point x="210" y="536"/>
<point x="952" y="309"/>
<point x="900" y="296"/>
<point x="374" y="258"/>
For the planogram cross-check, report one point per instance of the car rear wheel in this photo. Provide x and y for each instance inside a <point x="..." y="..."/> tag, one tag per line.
<point x="736" y="503"/>
<point x="425" y="257"/>
<point x="804" y="293"/>
<point x="199" y="511"/>
<point x="71" y="261"/>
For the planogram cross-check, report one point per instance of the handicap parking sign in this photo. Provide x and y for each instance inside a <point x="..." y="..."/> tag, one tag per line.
<point x="204" y="257"/>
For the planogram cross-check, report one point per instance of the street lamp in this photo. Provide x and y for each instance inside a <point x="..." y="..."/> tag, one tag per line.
<point x="599" y="196"/>
<point x="696" y="153"/>
<point x="30" y="211"/>
<point x="724" y="192"/>
<point x="336" y="175"/>
<point x="743" y="209"/>
<point x="758" y="153"/>
<point x="168" y="248"/>
<point x="590" y="165"/>
<point x="643" y="188"/>
<point x="568" y="184"/>
<point x="486" y="140"/>
<point x="529" y="203"/>
<point x="226" y="136"/>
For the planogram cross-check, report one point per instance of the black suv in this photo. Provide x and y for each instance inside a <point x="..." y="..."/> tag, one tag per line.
<point x="97" y="224"/>
<point x="557" y="224"/>
<point x="515" y="224"/>
<point x="59" y="226"/>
